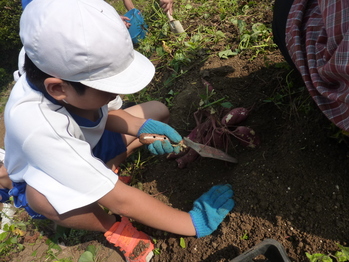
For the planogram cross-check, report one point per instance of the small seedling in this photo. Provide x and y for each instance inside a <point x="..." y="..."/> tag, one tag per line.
<point x="182" y="243"/>
<point x="157" y="251"/>
<point x="245" y="236"/>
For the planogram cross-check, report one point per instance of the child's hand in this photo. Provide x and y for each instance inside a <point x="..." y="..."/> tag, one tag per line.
<point x="211" y="208"/>
<point x="126" y="21"/>
<point x="161" y="147"/>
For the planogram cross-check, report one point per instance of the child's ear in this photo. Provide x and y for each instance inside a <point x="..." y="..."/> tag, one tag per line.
<point x="55" y="88"/>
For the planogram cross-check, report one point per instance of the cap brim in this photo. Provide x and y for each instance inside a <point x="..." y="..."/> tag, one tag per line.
<point x="133" y="79"/>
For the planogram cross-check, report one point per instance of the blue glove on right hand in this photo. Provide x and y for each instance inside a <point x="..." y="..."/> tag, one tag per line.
<point x="161" y="147"/>
<point x="211" y="208"/>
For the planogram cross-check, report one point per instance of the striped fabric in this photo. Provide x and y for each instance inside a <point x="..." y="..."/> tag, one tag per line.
<point x="317" y="38"/>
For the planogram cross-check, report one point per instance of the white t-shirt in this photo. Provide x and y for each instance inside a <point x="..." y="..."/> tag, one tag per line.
<point x="47" y="149"/>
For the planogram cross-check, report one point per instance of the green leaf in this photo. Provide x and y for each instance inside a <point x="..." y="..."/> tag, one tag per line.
<point x="86" y="257"/>
<point x="14" y="240"/>
<point x="53" y="245"/>
<point x="20" y="247"/>
<point x="340" y="256"/>
<point x="159" y="51"/>
<point x="226" y="53"/>
<point x="345" y="251"/>
<point x="182" y="242"/>
<point x="227" y="105"/>
<point x="92" y="249"/>
<point x="220" y="33"/>
<point x="318" y="257"/>
<point x="239" y="23"/>
<point x="3" y="235"/>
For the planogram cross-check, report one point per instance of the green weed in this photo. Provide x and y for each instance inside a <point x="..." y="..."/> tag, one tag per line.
<point x="169" y="98"/>
<point x="245" y="236"/>
<point x="339" y="256"/>
<point x="291" y="98"/>
<point x="135" y="165"/>
<point x="210" y="100"/>
<point x="10" y="240"/>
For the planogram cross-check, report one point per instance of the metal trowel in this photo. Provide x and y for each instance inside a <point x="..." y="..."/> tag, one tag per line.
<point x="175" y="25"/>
<point x="203" y="150"/>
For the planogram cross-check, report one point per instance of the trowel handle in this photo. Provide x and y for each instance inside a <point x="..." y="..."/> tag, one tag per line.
<point x="169" y="16"/>
<point x="147" y="139"/>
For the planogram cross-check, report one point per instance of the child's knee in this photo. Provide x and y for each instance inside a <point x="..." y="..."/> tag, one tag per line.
<point x="161" y="111"/>
<point x="151" y="109"/>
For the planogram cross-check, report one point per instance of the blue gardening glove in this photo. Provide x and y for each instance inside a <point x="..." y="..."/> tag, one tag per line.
<point x="20" y="199"/>
<point x="211" y="208"/>
<point x="161" y="147"/>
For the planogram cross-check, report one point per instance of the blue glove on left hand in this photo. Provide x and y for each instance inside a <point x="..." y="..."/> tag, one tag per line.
<point x="161" y="147"/>
<point x="211" y="208"/>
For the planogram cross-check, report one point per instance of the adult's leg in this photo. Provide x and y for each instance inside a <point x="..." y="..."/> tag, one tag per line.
<point x="281" y="10"/>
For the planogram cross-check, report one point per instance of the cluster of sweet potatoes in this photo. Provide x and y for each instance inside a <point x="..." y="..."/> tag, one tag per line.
<point x="217" y="130"/>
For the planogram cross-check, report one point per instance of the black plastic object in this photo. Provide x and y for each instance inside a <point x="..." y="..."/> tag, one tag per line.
<point x="271" y="249"/>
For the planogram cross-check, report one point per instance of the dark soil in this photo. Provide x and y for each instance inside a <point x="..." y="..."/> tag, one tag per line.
<point x="292" y="188"/>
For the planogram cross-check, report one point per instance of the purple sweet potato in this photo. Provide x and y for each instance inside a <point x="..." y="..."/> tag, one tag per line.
<point x="189" y="157"/>
<point x="208" y="86"/>
<point x="247" y="136"/>
<point x="175" y="156"/>
<point x="235" y="116"/>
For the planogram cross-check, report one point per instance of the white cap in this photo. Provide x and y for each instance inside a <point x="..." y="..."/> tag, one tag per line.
<point x="84" y="41"/>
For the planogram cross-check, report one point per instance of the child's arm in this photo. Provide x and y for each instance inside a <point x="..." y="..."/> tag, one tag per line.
<point x="133" y="203"/>
<point x="128" y="4"/>
<point x="208" y="212"/>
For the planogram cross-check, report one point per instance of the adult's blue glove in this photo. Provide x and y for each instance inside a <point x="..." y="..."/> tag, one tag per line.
<point x="158" y="147"/>
<point x="211" y="208"/>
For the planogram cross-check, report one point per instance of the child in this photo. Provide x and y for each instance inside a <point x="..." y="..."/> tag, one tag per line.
<point x="62" y="145"/>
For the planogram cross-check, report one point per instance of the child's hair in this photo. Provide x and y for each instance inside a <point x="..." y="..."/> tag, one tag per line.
<point x="37" y="78"/>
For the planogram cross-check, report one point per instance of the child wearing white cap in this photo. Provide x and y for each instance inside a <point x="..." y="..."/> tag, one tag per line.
<point x="62" y="144"/>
